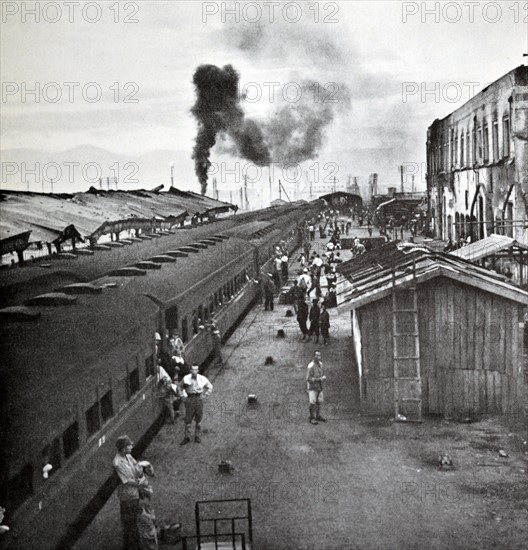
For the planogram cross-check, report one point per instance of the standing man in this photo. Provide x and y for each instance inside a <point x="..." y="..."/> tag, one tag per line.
<point x="195" y="388"/>
<point x="302" y="315"/>
<point x="314" y="320"/>
<point x="324" y="322"/>
<point x="268" y="289"/>
<point x="314" y="384"/>
<point x="130" y="475"/>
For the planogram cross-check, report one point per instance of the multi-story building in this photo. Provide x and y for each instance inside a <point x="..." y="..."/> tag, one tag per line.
<point x="477" y="164"/>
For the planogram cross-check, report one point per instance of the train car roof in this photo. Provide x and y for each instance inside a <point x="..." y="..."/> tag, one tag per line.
<point x="173" y="279"/>
<point x="20" y="283"/>
<point x="44" y="358"/>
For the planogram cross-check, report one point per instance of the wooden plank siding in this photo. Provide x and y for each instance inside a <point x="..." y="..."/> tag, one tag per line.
<point x="470" y="351"/>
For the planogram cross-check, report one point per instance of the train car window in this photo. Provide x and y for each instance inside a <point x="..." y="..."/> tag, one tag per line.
<point x="171" y="318"/>
<point x="150" y="366"/>
<point x="20" y="488"/>
<point x="184" y="330"/>
<point x="51" y="454"/>
<point x="107" y="408"/>
<point x="70" y="439"/>
<point x="195" y="322"/>
<point x="133" y="381"/>
<point x="93" y="422"/>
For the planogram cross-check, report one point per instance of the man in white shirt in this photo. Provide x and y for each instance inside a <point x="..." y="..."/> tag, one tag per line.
<point x="195" y="388"/>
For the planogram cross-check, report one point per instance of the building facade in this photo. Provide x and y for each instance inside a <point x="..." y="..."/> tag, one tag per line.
<point x="477" y="164"/>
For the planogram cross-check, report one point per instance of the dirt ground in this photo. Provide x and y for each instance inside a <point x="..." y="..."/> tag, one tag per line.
<point x="354" y="482"/>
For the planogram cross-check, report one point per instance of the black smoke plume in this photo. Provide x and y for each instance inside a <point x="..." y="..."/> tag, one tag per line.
<point x="217" y="109"/>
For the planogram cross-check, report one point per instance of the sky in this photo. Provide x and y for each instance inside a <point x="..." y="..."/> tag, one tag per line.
<point x="114" y="85"/>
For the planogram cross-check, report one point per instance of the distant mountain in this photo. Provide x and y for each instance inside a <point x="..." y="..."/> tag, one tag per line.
<point x="80" y="167"/>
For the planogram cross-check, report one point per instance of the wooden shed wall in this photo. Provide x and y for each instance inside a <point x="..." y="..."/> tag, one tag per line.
<point x="470" y="351"/>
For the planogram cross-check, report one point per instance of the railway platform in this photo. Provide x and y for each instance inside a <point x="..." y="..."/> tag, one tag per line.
<point x="354" y="482"/>
<point x="259" y="440"/>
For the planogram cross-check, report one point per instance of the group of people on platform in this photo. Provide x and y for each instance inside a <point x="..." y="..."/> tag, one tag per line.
<point x="177" y="383"/>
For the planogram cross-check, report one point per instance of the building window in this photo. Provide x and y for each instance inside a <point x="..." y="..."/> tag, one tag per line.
<point x="70" y="439"/>
<point x="107" y="408"/>
<point x="506" y="137"/>
<point x="93" y="422"/>
<point x="495" y="140"/>
<point x="485" y="143"/>
<point x="133" y="381"/>
<point x="508" y="220"/>
<point x="479" y="144"/>
<point x="462" y="150"/>
<point x="456" y="151"/>
<point x="452" y="146"/>
<point x="474" y="146"/>
<point x="466" y="196"/>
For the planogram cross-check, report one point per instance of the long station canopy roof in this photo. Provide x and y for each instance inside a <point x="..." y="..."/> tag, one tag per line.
<point x="96" y="212"/>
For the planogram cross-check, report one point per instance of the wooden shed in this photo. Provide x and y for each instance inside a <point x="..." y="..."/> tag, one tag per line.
<point x="434" y="334"/>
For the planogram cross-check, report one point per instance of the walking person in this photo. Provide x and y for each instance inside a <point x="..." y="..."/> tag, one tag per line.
<point x="195" y="388"/>
<point x="314" y="384"/>
<point x="324" y="323"/>
<point x="302" y="316"/>
<point x="314" y="316"/>
<point x="130" y="475"/>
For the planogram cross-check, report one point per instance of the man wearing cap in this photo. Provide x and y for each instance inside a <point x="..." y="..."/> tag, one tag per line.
<point x="130" y="475"/>
<point x="195" y="388"/>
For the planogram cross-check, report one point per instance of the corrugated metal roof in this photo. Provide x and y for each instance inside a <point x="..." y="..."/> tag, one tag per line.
<point x="487" y="247"/>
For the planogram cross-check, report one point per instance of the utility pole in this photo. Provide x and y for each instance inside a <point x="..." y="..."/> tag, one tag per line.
<point x="412" y="179"/>
<point x="401" y="173"/>
<point x="172" y="173"/>
<point x="280" y="191"/>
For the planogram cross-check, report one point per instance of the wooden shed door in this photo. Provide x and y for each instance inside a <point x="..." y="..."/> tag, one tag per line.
<point x="406" y="354"/>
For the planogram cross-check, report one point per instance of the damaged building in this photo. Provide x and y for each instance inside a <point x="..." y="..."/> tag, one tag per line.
<point x="477" y="164"/>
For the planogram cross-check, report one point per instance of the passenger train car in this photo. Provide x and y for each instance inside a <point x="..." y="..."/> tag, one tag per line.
<point x="78" y="365"/>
